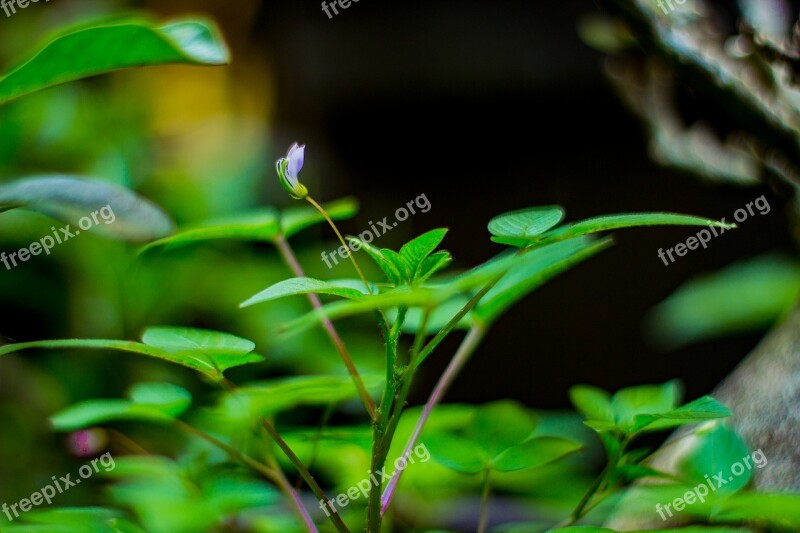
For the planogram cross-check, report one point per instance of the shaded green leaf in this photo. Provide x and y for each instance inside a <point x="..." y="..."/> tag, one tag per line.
<point x="107" y="46"/>
<point x="120" y="213"/>
<point x="455" y="452"/>
<point x="746" y="296"/>
<point x="260" y="226"/>
<point x="534" y="453"/>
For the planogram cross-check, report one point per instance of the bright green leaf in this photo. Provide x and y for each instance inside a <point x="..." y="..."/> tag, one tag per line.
<point x="517" y="228"/>
<point x="416" y="250"/>
<point x="346" y="288"/>
<point x="625" y="220"/>
<point x="104" y="47"/>
<point x="531" y="270"/>
<point x="705" y="408"/>
<point x="169" y="398"/>
<point x="593" y="402"/>
<point x="93" y="412"/>
<point x="644" y="400"/>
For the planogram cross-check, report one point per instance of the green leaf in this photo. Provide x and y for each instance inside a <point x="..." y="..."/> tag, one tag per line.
<point x="746" y="296"/>
<point x="713" y="450"/>
<point x="260" y="226"/>
<point x="433" y="264"/>
<point x="93" y="412"/>
<point x="264" y="398"/>
<point x="499" y="426"/>
<point x="169" y="398"/>
<point x="394" y="274"/>
<point x="532" y="270"/>
<point x="706" y="408"/>
<point x="517" y="228"/>
<point x="346" y="288"/>
<point x="625" y="220"/>
<point x="582" y="529"/>
<point x="296" y="219"/>
<point x="534" y="453"/>
<point x="113" y="45"/>
<point x="644" y="400"/>
<point x="779" y="509"/>
<point x="398" y="263"/>
<point x="417" y="250"/>
<point x="73" y="520"/>
<point x="402" y="296"/>
<point x="455" y="452"/>
<point x="222" y="350"/>
<point x="593" y="402"/>
<point x="152" y="401"/>
<point x="119" y="212"/>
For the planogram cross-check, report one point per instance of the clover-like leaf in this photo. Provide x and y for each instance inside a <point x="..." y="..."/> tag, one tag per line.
<point x="517" y="228"/>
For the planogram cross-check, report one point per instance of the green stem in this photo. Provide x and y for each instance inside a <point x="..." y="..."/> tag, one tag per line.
<point x="289" y="257"/>
<point x="341" y="240"/>
<point x="460" y="358"/>
<point x="483" y="521"/>
<point x="381" y="435"/>
<point x="276" y="476"/>
<point x="598" y="484"/>
<point x="297" y="463"/>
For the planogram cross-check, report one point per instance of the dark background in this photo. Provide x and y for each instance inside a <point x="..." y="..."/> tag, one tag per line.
<point x="486" y="107"/>
<point x="491" y="106"/>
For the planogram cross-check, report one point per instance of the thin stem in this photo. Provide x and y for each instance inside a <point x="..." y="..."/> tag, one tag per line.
<point x="297" y="463"/>
<point x="598" y="484"/>
<point x="451" y="325"/>
<point x="275" y="476"/>
<point x="460" y="358"/>
<point x="483" y="521"/>
<point x="307" y="477"/>
<point x="341" y="240"/>
<point x="291" y="259"/>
